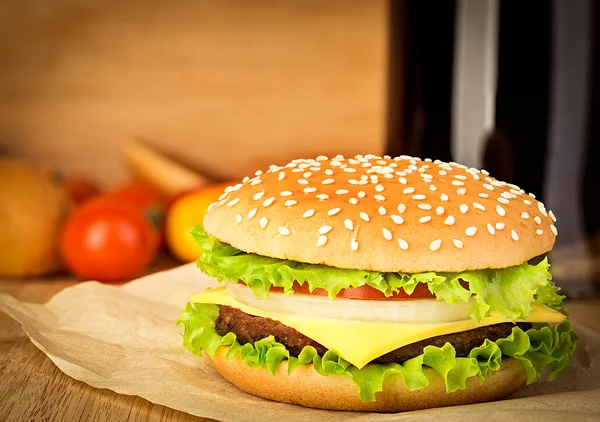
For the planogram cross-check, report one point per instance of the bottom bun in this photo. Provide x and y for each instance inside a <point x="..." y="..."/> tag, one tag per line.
<point x="308" y="388"/>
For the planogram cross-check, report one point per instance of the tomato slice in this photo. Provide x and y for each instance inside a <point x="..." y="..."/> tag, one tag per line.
<point x="364" y="292"/>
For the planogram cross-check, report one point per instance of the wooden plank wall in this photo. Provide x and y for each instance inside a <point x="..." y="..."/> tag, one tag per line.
<point x="226" y="85"/>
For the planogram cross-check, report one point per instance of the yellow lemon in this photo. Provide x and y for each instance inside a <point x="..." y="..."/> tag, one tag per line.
<point x="183" y="214"/>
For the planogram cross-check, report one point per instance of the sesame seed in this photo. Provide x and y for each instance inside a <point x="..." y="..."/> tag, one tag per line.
<point x="419" y="197"/>
<point x="327" y="182"/>
<point x="329" y="172"/>
<point x="353" y="201"/>
<point x="258" y="195"/>
<point x="321" y="241"/>
<point x="426" y="176"/>
<point x="553" y="229"/>
<point x="307" y="175"/>
<point x="397" y="219"/>
<point x="379" y="188"/>
<point x="349" y="224"/>
<point x="258" y="172"/>
<point x="263" y="222"/>
<point x="461" y="191"/>
<point x="321" y="158"/>
<point x="460" y="177"/>
<point x="354" y="244"/>
<point x="366" y="164"/>
<point x="527" y="202"/>
<point x="403" y="245"/>
<point x="233" y="202"/>
<point x="303" y="181"/>
<point x="539" y="232"/>
<point x="309" y="190"/>
<point x="442" y="172"/>
<point x="537" y="219"/>
<point x="211" y="206"/>
<point x="432" y="187"/>
<point x="524" y="215"/>
<point x="333" y="211"/>
<point x="400" y="173"/>
<point x="290" y="202"/>
<point x="457" y="183"/>
<point x="386" y="234"/>
<point x="463" y="208"/>
<point x="379" y="197"/>
<point x="501" y="212"/>
<point x="308" y="213"/>
<point x="223" y="196"/>
<point x="439" y="210"/>
<point x="514" y="235"/>
<point x="471" y="230"/>
<point x="435" y="245"/>
<point x="408" y="190"/>
<point x="503" y="201"/>
<point x="341" y="191"/>
<point x="499" y="226"/>
<point x="483" y="195"/>
<point x="444" y="197"/>
<point x="238" y="218"/>
<point x="238" y="186"/>
<point x="485" y="172"/>
<point x="478" y="206"/>
<point x="542" y="209"/>
<point x="361" y="194"/>
<point x="450" y="220"/>
<point x="426" y="207"/>
<point x="322" y="196"/>
<point x="496" y="183"/>
<point x="245" y="179"/>
<point x="268" y="201"/>
<point x="457" y="243"/>
<point x="285" y="193"/>
<point x="316" y="168"/>
<point x="364" y="216"/>
<point x="324" y="229"/>
<point x="401" y="208"/>
<point x="382" y="210"/>
<point x="425" y="219"/>
<point x="281" y="176"/>
<point x="552" y="216"/>
<point x="488" y="186"/>
<point x="491" y="229"/>
<point x="402" y="180"/>
<point x="298" y="170"/>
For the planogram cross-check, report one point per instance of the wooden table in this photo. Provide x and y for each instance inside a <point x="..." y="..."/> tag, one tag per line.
<point x="33" y="388"/>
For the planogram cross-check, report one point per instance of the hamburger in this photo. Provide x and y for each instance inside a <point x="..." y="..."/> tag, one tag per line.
<point x="378" y="284"/>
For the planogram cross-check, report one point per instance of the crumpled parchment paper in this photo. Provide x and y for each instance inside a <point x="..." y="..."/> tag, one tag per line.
<point x="124" y="338"/>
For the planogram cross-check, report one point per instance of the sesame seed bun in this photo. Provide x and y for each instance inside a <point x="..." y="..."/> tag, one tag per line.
<point x="308" y="388"/>
<point x="382" y="214"/>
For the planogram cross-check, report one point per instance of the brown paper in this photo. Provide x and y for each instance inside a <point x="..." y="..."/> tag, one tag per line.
<point x="125" y="339"/>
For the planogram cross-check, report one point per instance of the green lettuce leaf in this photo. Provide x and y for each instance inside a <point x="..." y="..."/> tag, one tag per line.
<point x="546" y="348"/>
<point x="510" y="291"/>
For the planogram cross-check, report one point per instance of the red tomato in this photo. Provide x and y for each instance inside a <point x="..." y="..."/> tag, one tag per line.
<point x="367" y="292"/>
<point x="107" y="241"/>
<point x="80" y="189"/>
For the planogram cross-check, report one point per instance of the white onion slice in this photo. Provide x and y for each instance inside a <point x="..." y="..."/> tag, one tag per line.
<point x="410" y="311"/>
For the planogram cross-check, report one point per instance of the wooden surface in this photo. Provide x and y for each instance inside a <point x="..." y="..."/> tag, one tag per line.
<point x="32" y="388"/>
<point x="229" y="86"/>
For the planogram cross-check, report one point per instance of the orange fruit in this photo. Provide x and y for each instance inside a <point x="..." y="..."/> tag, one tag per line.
<point x="184" y="213"/>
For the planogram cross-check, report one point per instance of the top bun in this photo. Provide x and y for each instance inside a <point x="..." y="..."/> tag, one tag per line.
<point x="383" y="214"/>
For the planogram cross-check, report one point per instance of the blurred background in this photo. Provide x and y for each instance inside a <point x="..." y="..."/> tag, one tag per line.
<point x="119" y="120"/>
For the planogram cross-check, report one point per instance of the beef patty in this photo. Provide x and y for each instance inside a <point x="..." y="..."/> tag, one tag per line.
<point x="249" y="328"/>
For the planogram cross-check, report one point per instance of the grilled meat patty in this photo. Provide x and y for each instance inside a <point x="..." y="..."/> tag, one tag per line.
<point x="249" y="328"/>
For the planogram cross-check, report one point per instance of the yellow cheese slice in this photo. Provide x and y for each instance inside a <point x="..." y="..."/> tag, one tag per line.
<point x="360" y="342"/>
